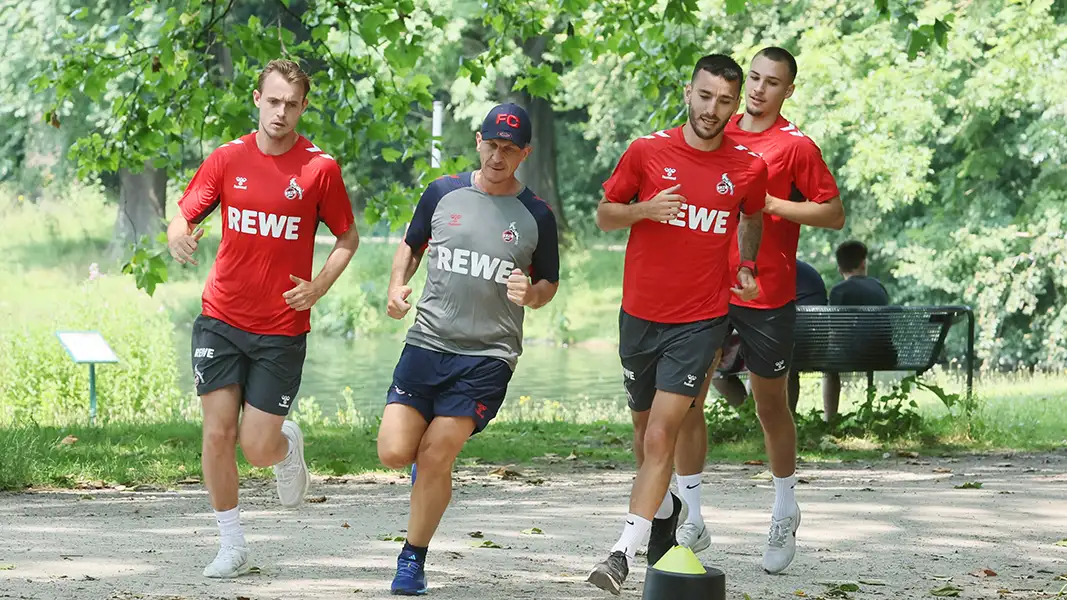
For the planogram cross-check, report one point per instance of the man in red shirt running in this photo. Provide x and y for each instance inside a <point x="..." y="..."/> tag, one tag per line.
<point x="273" y="187"/>
<point x="801" y="191"/>
<point x="682" y="193"/>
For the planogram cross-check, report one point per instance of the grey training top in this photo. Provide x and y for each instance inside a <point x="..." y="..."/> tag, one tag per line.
<point x="474" y="241"/>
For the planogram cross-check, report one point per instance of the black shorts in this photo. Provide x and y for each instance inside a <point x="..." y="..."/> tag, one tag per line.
<point x="671" y="357"/>
<point x="267" y="367"/>
<point x="450" y="385"/>
<point x="766" y="338"/>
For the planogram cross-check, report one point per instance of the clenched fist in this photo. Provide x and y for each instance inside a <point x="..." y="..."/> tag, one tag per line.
<point x="519" y="288"/>
<point x="398" y="305"/>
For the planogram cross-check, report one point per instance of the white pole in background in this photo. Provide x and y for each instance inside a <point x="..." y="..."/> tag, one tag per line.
<point x="438" y="119"/>
<point x="435" y="162"/>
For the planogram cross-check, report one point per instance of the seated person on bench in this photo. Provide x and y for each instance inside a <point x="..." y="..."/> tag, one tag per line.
<point x="857" y="289"/>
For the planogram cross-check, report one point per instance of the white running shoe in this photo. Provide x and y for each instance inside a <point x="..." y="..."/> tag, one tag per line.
<point x="693" y="536"/>
<point x="781" y="543"/>
<point x="230" y="562"/>
<point x="292" y="473"/>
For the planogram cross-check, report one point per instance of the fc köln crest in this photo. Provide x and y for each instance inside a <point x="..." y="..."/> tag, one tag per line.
<point x="725" y="186"/>
<point x="511" y="234"/>
<point x="294" y="191"/>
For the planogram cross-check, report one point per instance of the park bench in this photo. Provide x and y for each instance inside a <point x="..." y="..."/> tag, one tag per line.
<point x="856" y="339"/>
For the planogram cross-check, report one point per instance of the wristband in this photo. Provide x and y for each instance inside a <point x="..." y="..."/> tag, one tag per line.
<point x="748" y="264"/>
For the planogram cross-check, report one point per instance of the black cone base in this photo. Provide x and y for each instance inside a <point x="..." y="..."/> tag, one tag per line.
<point x="662" y="585"/>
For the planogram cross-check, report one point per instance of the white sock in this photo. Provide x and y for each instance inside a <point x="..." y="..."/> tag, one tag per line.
<point x="634" y="533"/>
<point x="689" y="488"/>
<point x="230" y="527"/>
<point x="666" y="508"/>
<point x="785" y="502"/>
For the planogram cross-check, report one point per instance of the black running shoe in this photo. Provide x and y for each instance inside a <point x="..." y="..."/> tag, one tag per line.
<point x="663" y="537"/>
<point x="610" y="574"/>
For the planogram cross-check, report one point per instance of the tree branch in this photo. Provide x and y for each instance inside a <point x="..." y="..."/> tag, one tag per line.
<point x="119" y="56"/>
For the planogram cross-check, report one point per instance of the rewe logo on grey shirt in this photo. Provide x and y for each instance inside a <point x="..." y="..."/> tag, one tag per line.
<point x="470" y="262"/>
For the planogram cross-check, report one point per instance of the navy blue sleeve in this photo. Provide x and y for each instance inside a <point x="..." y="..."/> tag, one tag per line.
<point x="545" y="263"/>
<point x="420" y="230"/>
<point x="811" y="289"/>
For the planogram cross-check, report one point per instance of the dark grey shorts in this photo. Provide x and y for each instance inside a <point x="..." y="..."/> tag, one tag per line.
<point x="766" y="338"/>
<point x="672" y="357"/>
<point x="267" y="367"/>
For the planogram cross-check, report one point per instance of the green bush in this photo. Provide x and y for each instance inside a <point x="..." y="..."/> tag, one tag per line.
<point x="42" y="384"/>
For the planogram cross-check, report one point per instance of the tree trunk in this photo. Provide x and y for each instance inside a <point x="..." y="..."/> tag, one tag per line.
<point x="142" y="201"/>
<point x="539" y="170"/>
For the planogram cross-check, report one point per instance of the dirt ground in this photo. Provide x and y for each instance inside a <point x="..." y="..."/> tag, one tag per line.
<point x="896" y="528"/>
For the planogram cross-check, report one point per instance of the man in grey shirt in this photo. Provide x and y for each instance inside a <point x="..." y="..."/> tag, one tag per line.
<point x="492" y="249"/>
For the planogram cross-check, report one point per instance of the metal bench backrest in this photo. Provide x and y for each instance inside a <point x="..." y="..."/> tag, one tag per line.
<point x="849" y="339"/>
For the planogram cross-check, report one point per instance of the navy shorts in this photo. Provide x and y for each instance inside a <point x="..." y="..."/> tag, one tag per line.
<point x="441" y="384"/>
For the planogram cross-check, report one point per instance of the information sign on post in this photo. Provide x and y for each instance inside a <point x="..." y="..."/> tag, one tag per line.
<point x="88" y="347"/>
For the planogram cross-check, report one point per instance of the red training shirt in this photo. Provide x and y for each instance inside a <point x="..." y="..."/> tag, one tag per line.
<point x="678" y="272"/>
<point x="796" y="172"/>
<point x="271" y="207"/>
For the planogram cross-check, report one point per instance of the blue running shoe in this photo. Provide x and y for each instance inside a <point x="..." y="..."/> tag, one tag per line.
<point x="410" y="577"/>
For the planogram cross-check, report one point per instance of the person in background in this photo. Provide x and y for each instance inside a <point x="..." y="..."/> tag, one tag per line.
<point x="811" y="291"/>
<point x="857" y="289"/>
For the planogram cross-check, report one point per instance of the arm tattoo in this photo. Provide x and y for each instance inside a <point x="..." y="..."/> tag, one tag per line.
<point x="748" y="235"/>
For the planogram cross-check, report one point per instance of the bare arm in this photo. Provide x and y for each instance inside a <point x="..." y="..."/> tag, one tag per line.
<point x="338" y="260"/>
<point x="662" y="207"/>
<point x="612" y="215"/>
<point x="542" y="293"/>
<point x="749" y="233"/>
<point x="405" y="263"/>
<point x="179" y="241"/>
<point x="829" y="214"/>
<point x="307" y="293"/>
<point x="178" y="227"/>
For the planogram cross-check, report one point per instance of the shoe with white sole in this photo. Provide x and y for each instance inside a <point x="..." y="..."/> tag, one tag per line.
<point x="292" y="473"/>
<point x="781" y="543"/>
<point x="230" y="562"/>
<point x="693" y="536"/>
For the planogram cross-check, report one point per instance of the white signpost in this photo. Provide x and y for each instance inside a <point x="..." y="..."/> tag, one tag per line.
<point x="88" y="347"/>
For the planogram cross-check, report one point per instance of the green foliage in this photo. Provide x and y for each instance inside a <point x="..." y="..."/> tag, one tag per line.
<point x="950" y="164"/>
<point x="942" y="121"/>
<point x="887" y="417"/>
<point x="1017" y="275"/>
<point x="42" y="385"/>
<point x="147" y="263"/>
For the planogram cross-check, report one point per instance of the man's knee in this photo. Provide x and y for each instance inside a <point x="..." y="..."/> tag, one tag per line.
<point x="772" y="397"/>
<point x="394" y="455"/>
<point x="219" y="437"/>
<point x="438" y="452"/>
<point x="732" y="388"/>
<point x="658" y="442"/>
<point x="256" y="449"/>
